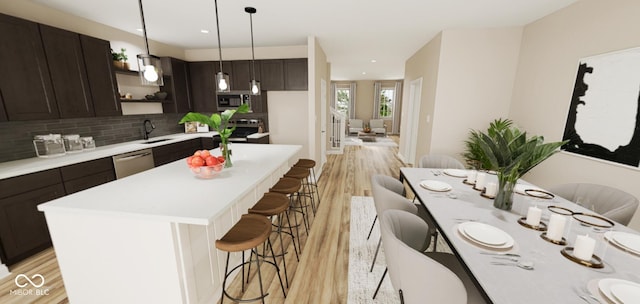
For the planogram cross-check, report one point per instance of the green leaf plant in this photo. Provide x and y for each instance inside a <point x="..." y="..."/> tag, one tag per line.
<point x="218" y="122"/>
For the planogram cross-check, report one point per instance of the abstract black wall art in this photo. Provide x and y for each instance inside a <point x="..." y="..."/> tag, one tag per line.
<point x="604" y="116"/>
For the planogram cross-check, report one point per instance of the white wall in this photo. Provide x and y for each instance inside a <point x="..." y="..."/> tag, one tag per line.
<point x="551" y="48"/>
<point x="475" y="80"/>
<point x="271" y="52"/>
<point x="288" y="119"/>
<point x="468" y="78"/>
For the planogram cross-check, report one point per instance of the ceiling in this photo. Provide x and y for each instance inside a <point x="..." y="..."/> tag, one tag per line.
<point x="352" y="33"/>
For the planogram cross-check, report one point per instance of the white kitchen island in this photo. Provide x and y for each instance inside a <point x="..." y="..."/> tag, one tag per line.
<point x="149" y="238"/>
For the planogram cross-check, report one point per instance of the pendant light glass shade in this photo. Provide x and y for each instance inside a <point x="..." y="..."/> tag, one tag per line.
<point x="149" y="66"/>
<point x="222" y="79"/>
<point x="254" y="85"/>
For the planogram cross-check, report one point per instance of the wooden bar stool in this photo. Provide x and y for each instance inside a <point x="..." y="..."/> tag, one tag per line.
<point x="310" y="165"/>
<point x="247" y="234"/>
<point x="290" y="187"/>
<point x="303" y="175"/>
<point x="276" y="204"/>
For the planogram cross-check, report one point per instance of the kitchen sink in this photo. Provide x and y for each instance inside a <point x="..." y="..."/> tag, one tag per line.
<point x="156" y="140"/>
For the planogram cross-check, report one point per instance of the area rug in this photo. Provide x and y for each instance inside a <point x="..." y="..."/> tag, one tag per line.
<point x="380" y="141"/>
<point x="362" y="283"/>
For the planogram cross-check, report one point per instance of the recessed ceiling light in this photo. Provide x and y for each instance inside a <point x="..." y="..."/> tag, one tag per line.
<point x="139" y="30"/>
<point x="373" y="61"/>
<point x="204" y="31"/>
<point x="364" y="73"/>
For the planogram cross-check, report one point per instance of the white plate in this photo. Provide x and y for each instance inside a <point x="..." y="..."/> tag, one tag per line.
<point x="455" y="172"/>
<point x="605" y="285"/>
<point x="626" y="294"/>
<point x="627" y="240"/>
<point x="486" y="235"/>
<point x="435" y="185"/>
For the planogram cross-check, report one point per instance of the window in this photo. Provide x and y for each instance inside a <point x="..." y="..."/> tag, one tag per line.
<point x="343" y="98"/>
<point x="386" y="102"/>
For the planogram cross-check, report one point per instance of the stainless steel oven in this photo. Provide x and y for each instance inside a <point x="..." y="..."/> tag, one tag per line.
<point x="133" y="162"/>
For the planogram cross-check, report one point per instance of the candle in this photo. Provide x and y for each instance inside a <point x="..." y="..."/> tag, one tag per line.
<point x="584" y="247"/>
<point x="491" y="189"/>
<point x="471" y="177"/>
<point x="555" y="230"/>
<point x="480" y="181"/>
<point x="533" y="216"/>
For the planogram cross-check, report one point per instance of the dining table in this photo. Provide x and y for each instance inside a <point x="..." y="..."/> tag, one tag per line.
<point x="546" y="275"/>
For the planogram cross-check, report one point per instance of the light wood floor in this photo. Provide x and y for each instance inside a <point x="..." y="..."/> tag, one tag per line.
<point x="321" y="274"/>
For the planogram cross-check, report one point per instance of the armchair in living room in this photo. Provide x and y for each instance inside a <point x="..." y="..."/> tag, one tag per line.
<point x="377" y="126"/>
<point x="355" y="126"/>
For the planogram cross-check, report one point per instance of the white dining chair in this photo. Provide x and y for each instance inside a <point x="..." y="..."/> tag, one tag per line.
<point x="440" y="161"/>
<point x="609" y="202"/>
<point x="433" y="277"/>
<point x="388" y="194"/>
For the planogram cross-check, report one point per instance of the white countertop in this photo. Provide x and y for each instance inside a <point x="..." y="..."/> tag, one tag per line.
<point x="35" y="164"/>
<point x="172" y="193"/>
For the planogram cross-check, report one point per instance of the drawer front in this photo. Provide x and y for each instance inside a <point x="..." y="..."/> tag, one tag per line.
<point x="87" y="182"/>
<point x="86" y="168"/>
<point x="29" y="182"/>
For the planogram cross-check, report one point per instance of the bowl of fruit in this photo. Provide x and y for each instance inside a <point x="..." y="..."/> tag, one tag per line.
<point x="205" y="165"/>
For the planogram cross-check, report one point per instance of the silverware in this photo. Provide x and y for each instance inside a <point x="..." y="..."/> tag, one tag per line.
<point x="589" y="298"/>
<point x="500" y="254"/>
<point x="527" y="265"/>
<point x="513" y="259"/>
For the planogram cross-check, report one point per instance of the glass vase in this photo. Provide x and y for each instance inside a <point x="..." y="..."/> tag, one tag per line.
<point x="504" y="197"/>
<point x="225" y="149"/>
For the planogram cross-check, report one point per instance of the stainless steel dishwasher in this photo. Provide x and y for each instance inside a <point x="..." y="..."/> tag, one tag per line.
<point x="132" y="162"/>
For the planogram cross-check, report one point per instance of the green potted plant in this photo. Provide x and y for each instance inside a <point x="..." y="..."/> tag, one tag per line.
<point x="508" y="151"/>
<point x="120" y="59"/>
<point x="220" y="123"/>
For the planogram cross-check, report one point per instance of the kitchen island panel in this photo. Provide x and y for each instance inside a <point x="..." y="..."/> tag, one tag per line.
<point x="110" y="259"/>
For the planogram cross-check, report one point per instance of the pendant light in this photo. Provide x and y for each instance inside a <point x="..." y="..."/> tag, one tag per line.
<point x="222" y="79"/>
<point x="149" y="65"/>
<point x="254" y="85"/>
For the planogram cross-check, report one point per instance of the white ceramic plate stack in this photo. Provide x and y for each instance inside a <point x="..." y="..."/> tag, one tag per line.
<point x="620" y="291"/>
<point x="435" y="185"/>
<point x="486" y="235"/>
<point x="624" y="240"/>
<point x="455" y="172"/>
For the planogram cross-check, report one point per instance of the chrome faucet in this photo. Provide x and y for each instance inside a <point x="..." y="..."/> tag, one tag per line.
<point x="147" y="131"/>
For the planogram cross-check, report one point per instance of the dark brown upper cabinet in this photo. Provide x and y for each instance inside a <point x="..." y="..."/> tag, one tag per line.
<point x="177" y="86"/>
<point x="242" y="74"/>
<point x="203" y="80"/>
<point x="68" y="72"/>
<point x="25" y="84"/>
<point x="296" y="74"/>
<point x="102" y="78"/>
<point x="272" y="74"/>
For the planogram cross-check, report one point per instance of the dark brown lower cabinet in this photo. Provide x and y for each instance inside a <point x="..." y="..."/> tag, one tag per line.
<point x="78" y="177"/>
<point x="172" y="152"/>
<point x="23" y="229"/>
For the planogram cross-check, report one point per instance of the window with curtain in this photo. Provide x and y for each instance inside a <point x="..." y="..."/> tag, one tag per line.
<point x="344" y="98"/>
<point x="387" y="104"/>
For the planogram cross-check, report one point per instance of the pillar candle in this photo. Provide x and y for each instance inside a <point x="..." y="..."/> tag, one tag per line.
<point x="584" y="247"/>
<point x="491" y="189"/>
<point x="533" y="216"/>
<point x="555" y="230"/>
<point x="471" y="176"/>
<point x="480" y="181"/>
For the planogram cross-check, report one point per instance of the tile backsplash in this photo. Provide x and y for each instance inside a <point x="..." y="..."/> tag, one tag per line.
<point x="16" y="136"/>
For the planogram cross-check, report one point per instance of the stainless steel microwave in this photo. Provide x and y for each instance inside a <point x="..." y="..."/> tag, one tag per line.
<point x="232" y="100"/>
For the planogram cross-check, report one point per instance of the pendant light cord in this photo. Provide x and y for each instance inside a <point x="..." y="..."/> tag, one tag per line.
<point x="253" y="55"/>
<point x="218" y="28"/>
<point x="144" y="27"/>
